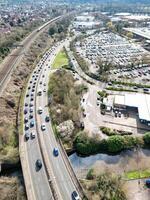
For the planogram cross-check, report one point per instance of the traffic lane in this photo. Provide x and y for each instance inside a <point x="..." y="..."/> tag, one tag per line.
<point x="39" y="179"/>
<point x="51" y="139"/>
<point x="59" y="169"/>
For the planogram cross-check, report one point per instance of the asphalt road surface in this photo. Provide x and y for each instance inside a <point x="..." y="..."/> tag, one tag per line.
<point x="41" y="147"/>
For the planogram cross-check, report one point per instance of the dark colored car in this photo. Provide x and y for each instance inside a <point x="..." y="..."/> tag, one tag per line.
<point x="26" y="104"/>
<point x="147" y="183"/>
<point x="32" y="123"/>
<point x="30" y="116"/>
<point x="47" y="118"/>
<point x="75" y="195"/>
<point x="31" y="110"/>
<point x="38" y="163"/>
<point x="25" y="120"/>
<point x="27" y="135"/>
<point x="55" y="152"/>
<point x="26" y="127"/>
<point x="25" y="111"/>
<point x="27" y="95"/>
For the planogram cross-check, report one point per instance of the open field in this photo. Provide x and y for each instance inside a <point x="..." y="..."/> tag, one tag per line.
<point x="60" y="60"/>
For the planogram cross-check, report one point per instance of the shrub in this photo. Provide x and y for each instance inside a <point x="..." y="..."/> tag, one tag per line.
<point x="90" y="174"/>
<point x="146" y="138"/>
<point x="115" y="144"/>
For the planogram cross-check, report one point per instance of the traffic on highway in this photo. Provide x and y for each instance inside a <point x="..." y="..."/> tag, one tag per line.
<point x="47" y="168"/>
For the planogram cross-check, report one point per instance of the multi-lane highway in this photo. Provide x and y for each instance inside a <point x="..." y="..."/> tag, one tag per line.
<point x="53" y="178"/>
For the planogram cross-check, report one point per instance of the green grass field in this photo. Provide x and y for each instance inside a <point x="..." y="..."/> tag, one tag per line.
<point x="60" y="60"/>
<point x="137" y="174"/>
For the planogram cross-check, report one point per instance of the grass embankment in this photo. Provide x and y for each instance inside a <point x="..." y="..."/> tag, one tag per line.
<point x="137" y="174"/>
<point x="86" y="145"/>
<point x="61" y="60"/>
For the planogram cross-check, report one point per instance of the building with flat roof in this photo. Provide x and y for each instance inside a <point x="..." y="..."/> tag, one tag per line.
<point x="139" y="101"/>
<point x="141" y="32"/>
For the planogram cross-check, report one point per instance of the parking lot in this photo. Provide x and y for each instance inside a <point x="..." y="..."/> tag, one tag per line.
<point x="138" y="74"/>
<point x="110" y="47"/>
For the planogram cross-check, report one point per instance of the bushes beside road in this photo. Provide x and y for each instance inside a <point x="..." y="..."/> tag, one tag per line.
<point x="65" y="95"/>
<point x="86" y="145"/>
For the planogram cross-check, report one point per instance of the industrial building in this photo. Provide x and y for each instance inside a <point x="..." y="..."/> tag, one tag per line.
<point x="141" y="102"/>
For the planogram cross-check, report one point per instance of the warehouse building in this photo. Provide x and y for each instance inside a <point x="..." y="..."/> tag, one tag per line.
<point x="140" y="102"/>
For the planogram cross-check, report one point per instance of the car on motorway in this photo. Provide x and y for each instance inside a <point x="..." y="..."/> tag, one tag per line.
<point x="26" y="104"/>
<point x="32" y="134"/>
<point x="25" y="120"/>
<point x="32" y="123"/>
<point x="27" y="135"/>
<point x="43" y="127"/>
<point x="25" y="111"/>
<point x="30" y="116"/>
<point x="40" y="110"/>
<point x="31" y="110"/>
<point x="26" y="127"/>
<point x="75" y="195"/>
<point x="38" y="164"/>
<point x="40" y="92"/>
<point x="55" y="152"/>
<point x="31" y="104"/>
<point x="47" y="118"/>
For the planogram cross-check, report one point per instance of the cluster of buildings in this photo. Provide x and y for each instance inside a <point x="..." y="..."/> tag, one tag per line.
<point x="16" y="15"/>
<point x="139" y="103"/>
<point x="109" y="47"/>
<point x="86" y="22"/>
<point x="136" y="20"/>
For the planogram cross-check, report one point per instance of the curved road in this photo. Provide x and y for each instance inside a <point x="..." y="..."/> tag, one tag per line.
<point x="54" y="173"/>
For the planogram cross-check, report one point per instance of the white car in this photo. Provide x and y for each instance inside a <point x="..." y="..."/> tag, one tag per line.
<point x="75" y="195"/>
<point x="43" y="127"/>
<point x="33" y="135"/>
<point x="40" y="110"/>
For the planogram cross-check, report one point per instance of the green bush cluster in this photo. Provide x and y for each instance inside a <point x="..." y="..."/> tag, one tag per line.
<point x="102" y="93"/>
<point x="139" y="85"/>
<point x="114" y="144"/>
<point x="110" y="132"/>
<point x="119" y="89"/>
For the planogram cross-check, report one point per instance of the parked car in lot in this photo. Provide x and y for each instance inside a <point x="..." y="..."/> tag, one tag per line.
<point x="26" y="104"/>
<point x="119" y="114"/>
<point x="43" y="127"/>
<point x="38" y="164"/>
<point x="55" y="152"/>
<point x="116" y="113"/>
<point x="75" y="195"/>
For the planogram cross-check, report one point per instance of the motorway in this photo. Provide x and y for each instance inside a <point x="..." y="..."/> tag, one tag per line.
<point x="53" y="179"/>
<point x="14" y="58"/>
